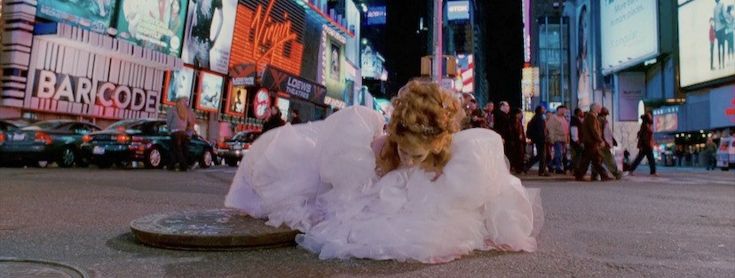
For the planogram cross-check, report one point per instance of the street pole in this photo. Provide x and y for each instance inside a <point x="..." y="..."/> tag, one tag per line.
<point x="438" y="53"/>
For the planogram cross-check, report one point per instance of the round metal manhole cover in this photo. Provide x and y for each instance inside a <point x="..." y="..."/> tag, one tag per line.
<point x="213" y="229"/>
<point x="22" y="268"/>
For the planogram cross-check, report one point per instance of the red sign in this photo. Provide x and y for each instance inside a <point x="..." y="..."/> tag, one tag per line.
<point x="269" y="32"/>
<point x="261" y="103"/>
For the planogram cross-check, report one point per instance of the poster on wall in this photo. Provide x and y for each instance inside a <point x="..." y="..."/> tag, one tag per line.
<point x="630" y="90"/>
<point x="210" y="91"/>
<point x="236" y="101"/>
<point x="156" y="25"/>
<point x="334" y="62"/>
<point x="209" y="26"/>
<point x="583" y="59"/>
<point x="261" y="104"/>
<point x="705" y="45"/>
<point x="178" y="84"/>
<point x="666" y="119"/>
<point x="283" y="105"/>
<point x="629" y="33"/>
<point x="95" y="15"/>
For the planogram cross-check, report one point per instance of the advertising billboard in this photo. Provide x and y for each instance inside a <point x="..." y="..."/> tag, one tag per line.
<point x="631" y="87"/>
<point x="236" y="101"/>
<point x="629" y="33"/>
<point x="156" y="25"/>
<point x="95" y="15"/>
<point x="458" y="10"/>
<point x="209" y="95"/>
<point x="705" y="45"/>
<point x="722" y="106"/>
<point x="666" y="119"/>
<point x="269" y="32"/>
<point x="584" y="56"/>
<point x="376" y="15"/>
<point x="178" y="84"/>
<point x="209" y="27"/>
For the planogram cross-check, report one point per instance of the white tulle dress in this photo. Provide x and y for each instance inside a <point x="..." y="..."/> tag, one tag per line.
<point x="319" y="178"/>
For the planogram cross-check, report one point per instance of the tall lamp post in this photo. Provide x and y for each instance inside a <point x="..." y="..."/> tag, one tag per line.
<point x="438" y="52"/>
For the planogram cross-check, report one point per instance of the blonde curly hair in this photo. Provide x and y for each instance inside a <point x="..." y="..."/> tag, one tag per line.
<point x="424" y="116"/>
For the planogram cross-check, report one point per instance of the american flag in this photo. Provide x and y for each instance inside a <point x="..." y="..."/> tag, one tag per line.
<point x="466" y="65"/>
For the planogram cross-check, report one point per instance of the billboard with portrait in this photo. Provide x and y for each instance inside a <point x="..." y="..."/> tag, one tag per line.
<point x="156" y="25"/>
<point x="95" y="15"/>
<point x="178" y="84"/>
<point x="209" y="26"/>
<point x="335" y="64"/>
<point x="209" y="94"/>
<point x="584" y="58"/>
<point x="236" y="101"/>
<point x="705" y="44"/>
<point x="629" y="33"/>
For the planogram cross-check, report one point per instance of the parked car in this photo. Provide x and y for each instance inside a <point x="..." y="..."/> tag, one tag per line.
<point x="145" y="140"/>
<point x="47" y="141"/>
<point x="234" y="149"/>
<point x="726" y="153"/>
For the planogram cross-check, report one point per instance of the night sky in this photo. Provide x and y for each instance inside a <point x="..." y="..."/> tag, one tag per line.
<point x="403" y="47"/>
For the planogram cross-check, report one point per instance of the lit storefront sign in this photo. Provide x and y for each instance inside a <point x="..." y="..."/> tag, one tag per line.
<point x="530" y="86"/>
<point x="281" y="81"/>
<point x="66" y="79"/>
<point x="269" y="34"/>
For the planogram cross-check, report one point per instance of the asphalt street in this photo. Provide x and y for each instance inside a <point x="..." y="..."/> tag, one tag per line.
<point x="681" y="224"/>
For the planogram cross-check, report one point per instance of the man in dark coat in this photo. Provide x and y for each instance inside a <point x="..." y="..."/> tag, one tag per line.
<point x="536" y="131"/>
<point x="274" y="120"/>
<point x="593" y="144"/>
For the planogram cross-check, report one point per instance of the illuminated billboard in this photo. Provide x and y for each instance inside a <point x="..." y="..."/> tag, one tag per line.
<point x="178" y="84"/>
<point x="458" y="10"/>
<point x="629" y="33"/>
<point x="156" y="25"/>
<point x="209" y="26"/>
<point x="376" y="15"/>
<point x="90" y="14"/>
<point x="705" y="46"/>
<point x="269" y="32"/>
<point x="209" y="95"/>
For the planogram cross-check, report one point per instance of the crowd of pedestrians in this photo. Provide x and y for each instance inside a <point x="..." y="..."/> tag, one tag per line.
<point x="559" y="145"/>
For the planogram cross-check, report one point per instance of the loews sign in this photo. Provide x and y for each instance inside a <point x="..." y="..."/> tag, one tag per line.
<point x="82" y="90"/>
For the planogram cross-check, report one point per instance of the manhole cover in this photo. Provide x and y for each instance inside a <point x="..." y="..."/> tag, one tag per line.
<point x="22" y="268"/>
<point x="213" y="229"/>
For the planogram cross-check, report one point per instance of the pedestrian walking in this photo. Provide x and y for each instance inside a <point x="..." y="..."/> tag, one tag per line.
<point x="710" y="154"/>
<point x="608" y="156"/>
<point x="575" y="135"/>
<point x="536" y="131"/>
<point x="645" y="145"/>
<point x="558" y="128"/>
<point x="180" y="120"/>
<point x="593" y="144"/>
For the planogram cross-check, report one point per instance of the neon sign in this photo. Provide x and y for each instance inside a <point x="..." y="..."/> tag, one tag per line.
<point x="269" y="33"/>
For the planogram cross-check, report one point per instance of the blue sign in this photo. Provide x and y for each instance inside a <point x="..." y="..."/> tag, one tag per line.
<point x="376" y="15"/>
<point x="458" y="10"/>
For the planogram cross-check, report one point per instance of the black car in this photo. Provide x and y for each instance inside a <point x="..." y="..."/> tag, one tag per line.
<point x="51" y="141"/>
<point x="234" y="149"/>
<point x="146" y="140"/>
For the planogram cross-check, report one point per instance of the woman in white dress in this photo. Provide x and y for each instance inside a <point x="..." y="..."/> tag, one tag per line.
<point x="423" y="192"/>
